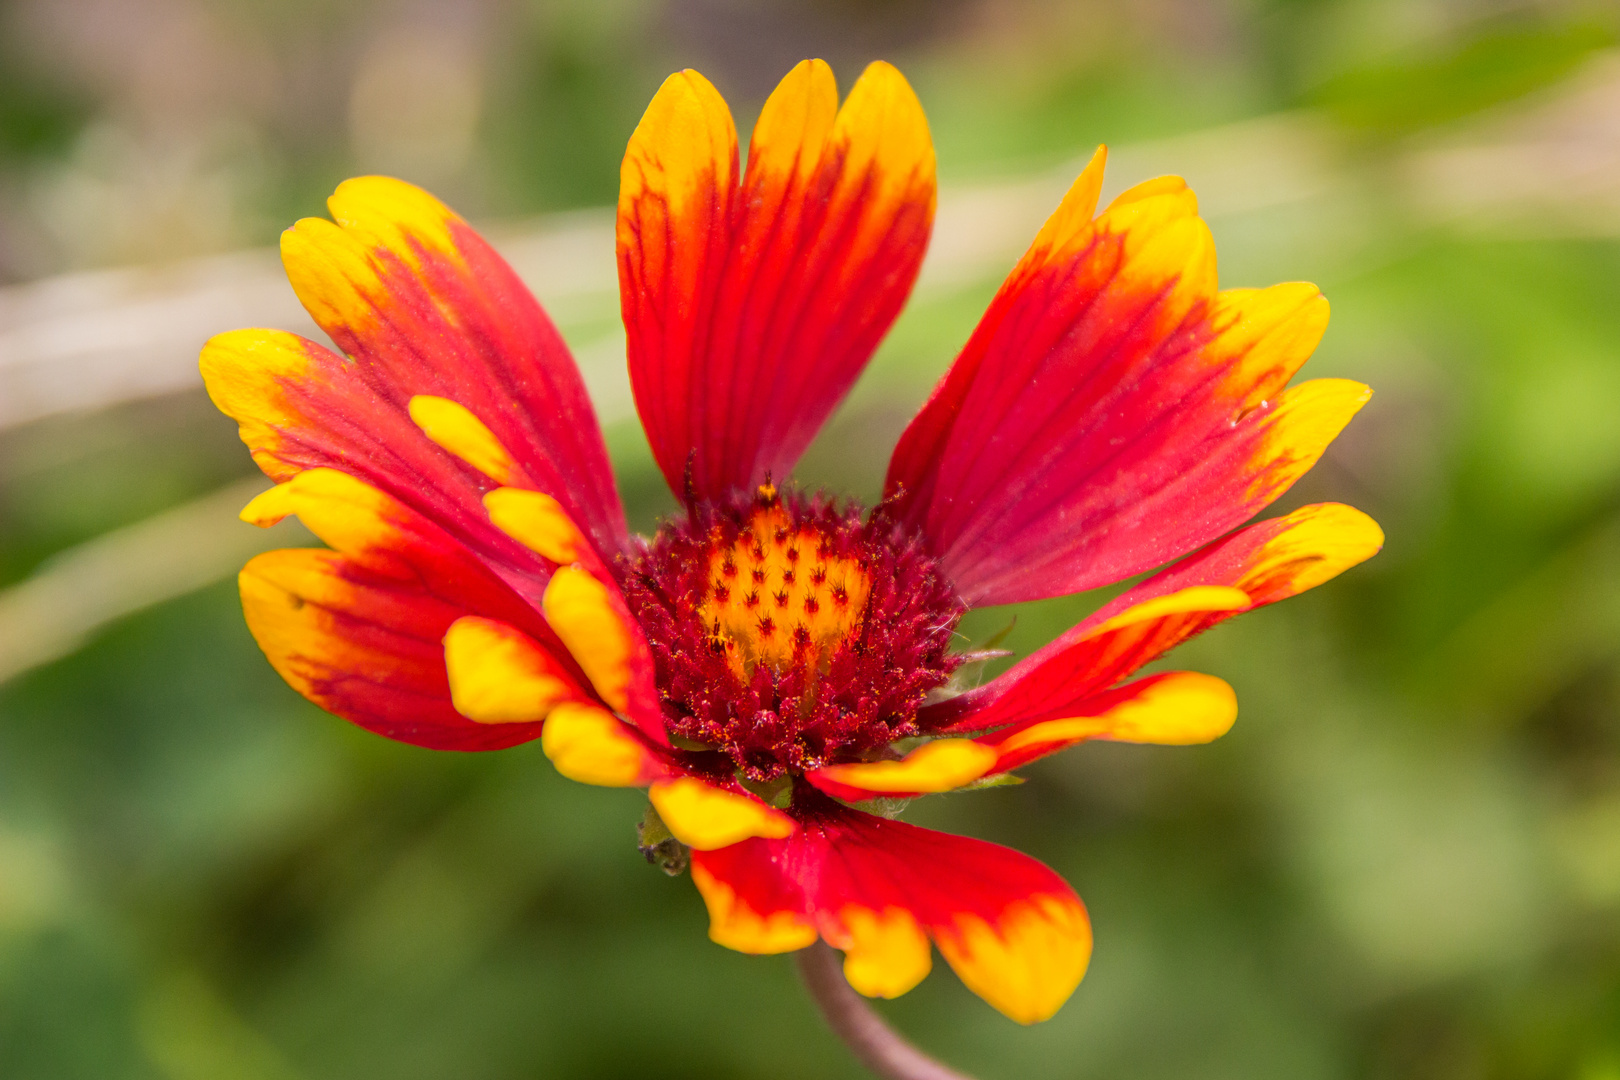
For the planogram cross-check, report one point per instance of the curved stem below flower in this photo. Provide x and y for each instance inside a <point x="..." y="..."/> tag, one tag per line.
<point x="878" y="1046"/>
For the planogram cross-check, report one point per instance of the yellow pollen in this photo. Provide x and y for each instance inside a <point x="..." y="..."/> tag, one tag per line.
<point x="777" y="595"/>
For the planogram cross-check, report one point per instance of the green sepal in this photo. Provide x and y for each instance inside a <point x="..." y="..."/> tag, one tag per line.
<point x="1005" y="779"/>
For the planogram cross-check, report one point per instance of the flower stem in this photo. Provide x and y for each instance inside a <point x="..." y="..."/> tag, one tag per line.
<point x="878" y="1046"/>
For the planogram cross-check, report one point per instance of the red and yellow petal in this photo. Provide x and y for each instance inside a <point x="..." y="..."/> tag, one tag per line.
<point x="590" y="745"/>
<point x="424" y="304"/>
<point x="1113" y="410"/>
<point x="360" y="647"/>
<point x="455" y="379"/>
<point x="584" y="604"/>
<point x="677" y="198"/>
<point x="453" y="428"/>
<point x="364" y="647"/>
<point x="1269" y="561"/>
<point x="1259" y="565"/>
<point x="1014" y="931"/>
<point x="751" y="307"/>
<point x="591" y="618"/>
<point x="1177" y="708"/>
<point x="360" y="630"/>
<point x="388" y="538"/>
<point x="1266" y="335"/>
<point x="941" y="765"/>
<point x="761" y="914"/>
<point x="705" y="817"/>
<point x="500" y="675"/>
<point x="913" y="468"/>
<point x="1027" y="960"/>
<point x="1110" y="650"/>
<point x="538" y="522"/>
<point x="886" y="950"/>
<point x="301" y="407"/>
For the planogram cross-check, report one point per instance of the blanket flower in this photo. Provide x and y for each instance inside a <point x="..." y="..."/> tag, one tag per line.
<point x="772" y="661"/>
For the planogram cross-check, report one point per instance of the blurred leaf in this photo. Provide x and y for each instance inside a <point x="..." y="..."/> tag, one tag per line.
<point x="37" y="119"/>
<point x="1422" y="89"/>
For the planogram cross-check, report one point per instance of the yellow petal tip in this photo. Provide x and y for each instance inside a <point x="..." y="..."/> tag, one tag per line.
<point x="705" y="817"/>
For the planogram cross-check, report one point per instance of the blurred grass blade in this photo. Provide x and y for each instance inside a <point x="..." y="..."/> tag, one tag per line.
<point x="49" y="615"/>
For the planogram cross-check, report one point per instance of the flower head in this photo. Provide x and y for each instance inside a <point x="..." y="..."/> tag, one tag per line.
<point x="772" y="659"/>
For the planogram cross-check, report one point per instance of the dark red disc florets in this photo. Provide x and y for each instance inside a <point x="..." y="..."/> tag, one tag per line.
<point x="790" y="633"/>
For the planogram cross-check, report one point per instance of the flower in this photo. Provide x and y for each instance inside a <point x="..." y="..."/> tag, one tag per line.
<point x="772" y="657"/>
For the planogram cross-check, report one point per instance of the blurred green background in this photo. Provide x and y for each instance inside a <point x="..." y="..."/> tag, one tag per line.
<point x="1403" y="862"/>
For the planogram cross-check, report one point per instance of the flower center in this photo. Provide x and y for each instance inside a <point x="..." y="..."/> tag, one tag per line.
<point x="780" y="594"/>
<point x="788" y="633"/>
